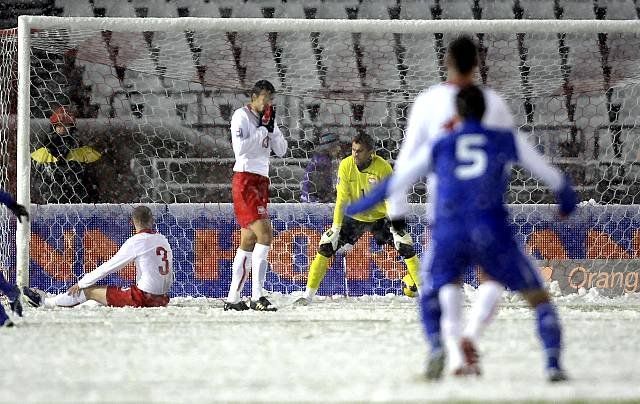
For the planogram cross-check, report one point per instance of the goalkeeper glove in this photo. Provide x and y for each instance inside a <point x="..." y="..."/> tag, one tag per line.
<point x="268" y="117"/>
<point x="19" y="211"/>
<point x="331" y="236"/>
<point x="400" y="234"/>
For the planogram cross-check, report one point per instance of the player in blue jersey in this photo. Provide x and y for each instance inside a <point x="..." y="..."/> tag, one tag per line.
<point x="471" y="227"/>
<point x="11" y="291"/>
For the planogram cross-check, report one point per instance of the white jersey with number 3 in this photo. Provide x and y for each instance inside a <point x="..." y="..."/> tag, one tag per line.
<point x="432" y="116"/>
<point x="153" y="260"/>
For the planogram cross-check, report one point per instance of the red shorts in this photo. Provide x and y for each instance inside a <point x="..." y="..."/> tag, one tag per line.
<point x="250" y="197"/>
<point x="123" y="297"/>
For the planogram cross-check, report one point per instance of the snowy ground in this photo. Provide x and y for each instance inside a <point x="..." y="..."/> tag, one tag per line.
<point x="356" y="349"/>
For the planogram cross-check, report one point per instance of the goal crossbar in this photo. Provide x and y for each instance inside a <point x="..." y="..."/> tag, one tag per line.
<point x="330" y="25"/>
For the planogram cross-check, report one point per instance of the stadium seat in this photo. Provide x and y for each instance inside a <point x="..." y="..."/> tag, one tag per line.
<point x="295" y="8"/>
<point x="501" y="9"/>
<point x="102" y="80"/>
<point x="544" y="61"/>
<point x="375" y="10"/>
<point x="577" y="10"/>
<point x="220" y="107"/>
<point x="335" y="9"/>
<point x="621" y="10"/>
<point x="375" y="113"/>
<point x="115" y="8"/>
<point x="539" y="9"/>
<point x="160" y="8"/>
<point x="379" y="55"/>
<point x="340" y="61"/>
<point x="421" y="60"/>
<point x="415" y="10"/>
<point x="502" y="60"/>
<point x="300" y="62"/>
<point x="457" y="9"/>
<point x="75" y="8"/>
<point x="249" y="9"/>
<point x="549" y="110"/>
<point x="200" y="8"/>
<point x="336" y="112"/>
<point x="257" y="57"/>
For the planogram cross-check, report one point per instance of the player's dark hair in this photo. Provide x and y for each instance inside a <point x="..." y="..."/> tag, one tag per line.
<point x="364" y="139"/>
<point x="463" y="54"/>
<point x="262" y="85"/>
<point x="470" y="103"/>
<point x="143" y="216"/>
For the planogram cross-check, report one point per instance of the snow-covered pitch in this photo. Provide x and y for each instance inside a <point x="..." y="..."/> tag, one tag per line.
<point x="354" y="349"/>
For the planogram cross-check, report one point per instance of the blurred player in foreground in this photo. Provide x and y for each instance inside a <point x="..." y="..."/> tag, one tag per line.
<point x="471" y="227"/>
<point x="356" y="175"/>
<point x="11" y="291"/>
<point x="154" y="272"/>
<point x="432" y="116"/>
<point x="254" y="134"/>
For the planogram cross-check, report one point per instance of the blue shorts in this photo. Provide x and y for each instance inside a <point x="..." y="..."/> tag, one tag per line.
<point x="497" y="252"/>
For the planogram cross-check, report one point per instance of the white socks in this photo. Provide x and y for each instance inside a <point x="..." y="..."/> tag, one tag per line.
<point x="240" y="270"/>
<point x="450" y="297"/>
<point x="65" y="300"/>
<point x="484" y="308"/>
<point x="309" y="293"/>
<point x="259" y="266"/>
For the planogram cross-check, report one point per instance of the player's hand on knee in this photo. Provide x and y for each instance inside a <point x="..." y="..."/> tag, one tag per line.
<point x="74" y="290"/>
<point x="331" y="236"/>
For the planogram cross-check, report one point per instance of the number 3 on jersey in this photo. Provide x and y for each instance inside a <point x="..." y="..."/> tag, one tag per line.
<point x="471" y="157"/>
<point x="164" y="268"/>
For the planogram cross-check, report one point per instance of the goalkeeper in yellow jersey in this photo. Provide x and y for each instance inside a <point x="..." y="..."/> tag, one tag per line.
<point x="356" y="175"/>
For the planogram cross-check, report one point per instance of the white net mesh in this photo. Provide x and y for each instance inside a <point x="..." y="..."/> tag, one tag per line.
<point x="152" y="111"/>
<point x="167" y="98"/>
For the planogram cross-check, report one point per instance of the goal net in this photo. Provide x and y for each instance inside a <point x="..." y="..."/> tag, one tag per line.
<point x="150" y="102"/>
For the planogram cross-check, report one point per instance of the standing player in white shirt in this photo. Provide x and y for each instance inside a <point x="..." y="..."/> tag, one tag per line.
<point x="254" y="134"/>
<point x="154" y="272"/>
<point x="432" y="116"/>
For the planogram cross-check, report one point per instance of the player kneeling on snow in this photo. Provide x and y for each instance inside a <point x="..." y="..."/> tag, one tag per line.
<point x="356" y="175"/>
<point x="154" y="272"/>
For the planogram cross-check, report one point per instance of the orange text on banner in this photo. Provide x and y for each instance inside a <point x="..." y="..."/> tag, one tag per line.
<point x="58" y="265"/>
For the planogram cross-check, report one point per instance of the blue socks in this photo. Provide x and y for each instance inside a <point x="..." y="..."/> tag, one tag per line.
<point x="550" y="333"/>
<point x="430" y="314"/>
<point x="8" y="289"/>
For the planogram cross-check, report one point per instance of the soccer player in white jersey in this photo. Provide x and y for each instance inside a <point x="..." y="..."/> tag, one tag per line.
<point x="254" y="135"/>
<point x="153" y="258"/>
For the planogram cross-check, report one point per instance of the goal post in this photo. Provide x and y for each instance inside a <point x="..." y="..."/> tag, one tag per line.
<point x="151" y="99"/>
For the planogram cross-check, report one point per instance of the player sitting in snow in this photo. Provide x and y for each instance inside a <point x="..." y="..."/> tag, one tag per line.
<point x="154" y="272"/>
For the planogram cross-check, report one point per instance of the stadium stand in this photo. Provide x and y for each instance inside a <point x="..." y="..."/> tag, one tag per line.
<point x="143" y="76"/>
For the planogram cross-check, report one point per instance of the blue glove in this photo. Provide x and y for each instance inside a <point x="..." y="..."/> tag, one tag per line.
<point x="566" y="198"/>
<point x="371" y="199"/>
